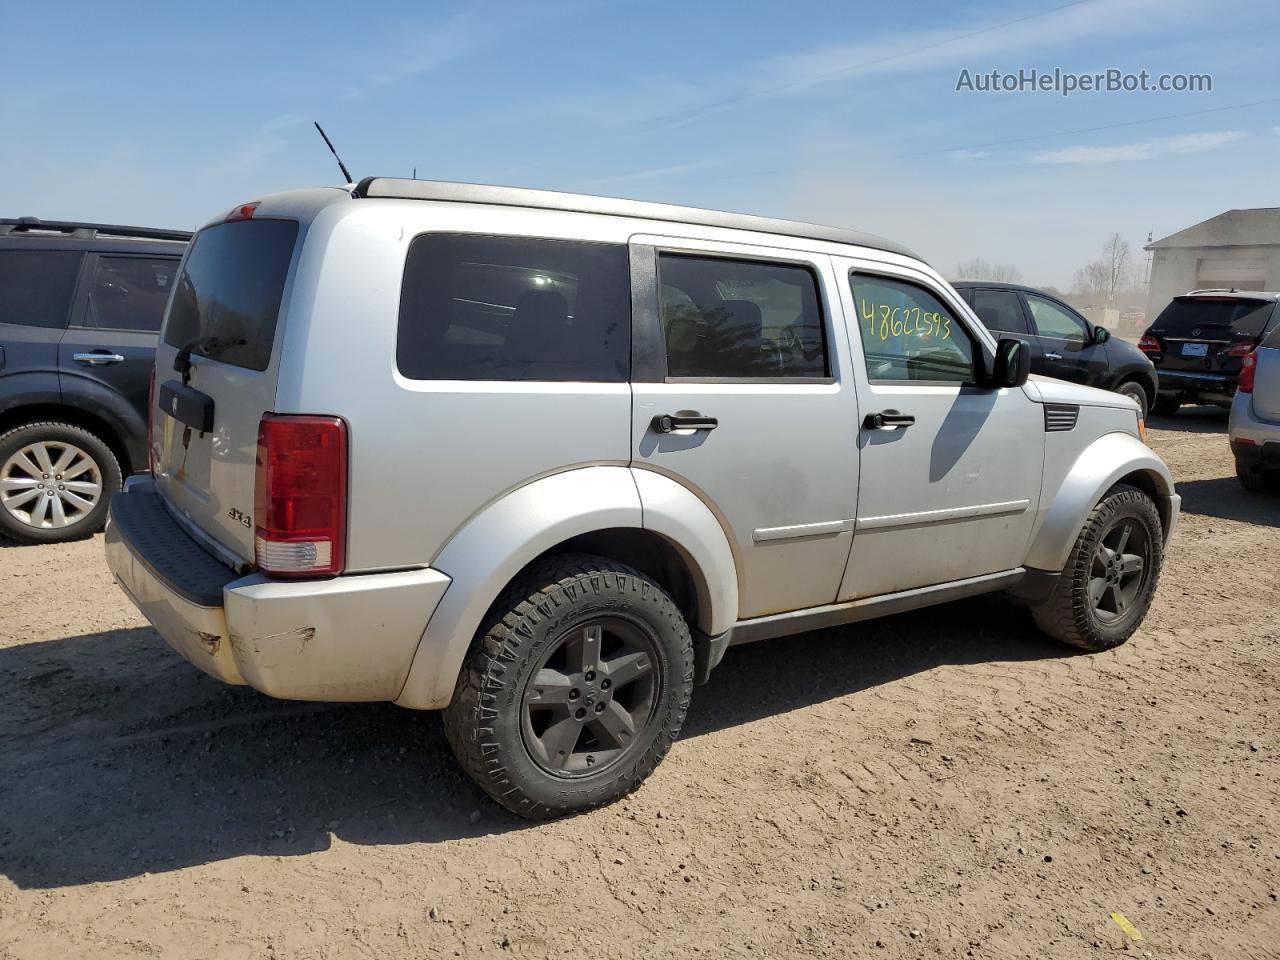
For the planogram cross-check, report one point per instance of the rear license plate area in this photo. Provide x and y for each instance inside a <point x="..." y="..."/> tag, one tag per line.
<point x="1195" y="350"/>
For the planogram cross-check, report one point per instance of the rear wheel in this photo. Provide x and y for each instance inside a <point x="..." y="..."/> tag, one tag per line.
<point x="1166" y="405"/>
<point x="574" y="691"/>
<point x="1134" y="390"/>
<point x="1106" y="587"/>
<point x="56" y="482"/>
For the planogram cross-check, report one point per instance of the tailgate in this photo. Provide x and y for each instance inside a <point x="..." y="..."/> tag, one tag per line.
<point x="225" y="312"/>
<point x="1198" y="333"/>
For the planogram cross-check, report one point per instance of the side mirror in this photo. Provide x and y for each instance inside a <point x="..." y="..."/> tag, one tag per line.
<point x="1013" y="363"/>
<point x="1101" y="334"/>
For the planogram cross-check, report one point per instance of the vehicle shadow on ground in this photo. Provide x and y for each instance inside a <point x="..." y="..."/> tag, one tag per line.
<point x="1224" y="497"/>
<point x="118" y="759"/>
<point x="1192" y="420"/>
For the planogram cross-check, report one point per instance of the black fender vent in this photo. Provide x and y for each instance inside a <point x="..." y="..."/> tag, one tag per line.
<point x="1060" y="417"/>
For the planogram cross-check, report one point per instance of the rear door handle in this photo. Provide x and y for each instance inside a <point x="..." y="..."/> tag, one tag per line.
<point x="97" y="358"/>
<point x="888" y="420"/>
<point x="669" y="422"/>
<point x="1053" y="356"/>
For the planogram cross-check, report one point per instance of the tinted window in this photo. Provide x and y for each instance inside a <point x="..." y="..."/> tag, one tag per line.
<point x="514" y="308"/>
<point x="230" y="288"/>
<point x="909" y="334"/>
<point x="999" y="310"/>
<point x="36" y="285"/>
<point x="129" y="293"/>
<point x="1053" y="321"/>
<point x="1222" y="319"/>
<point x="740" y="319"/>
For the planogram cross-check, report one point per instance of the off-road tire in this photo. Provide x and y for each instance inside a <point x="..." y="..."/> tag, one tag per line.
<point x="1132" y="388"/>
<point x="543" y="604"/>
<point x="1166" y="406"/>
<point x="1068" y="614"/>
<point x="56" y="432"/>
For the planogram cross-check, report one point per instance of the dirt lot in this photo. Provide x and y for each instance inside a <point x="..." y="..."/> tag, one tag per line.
<point x="941" y="784"/>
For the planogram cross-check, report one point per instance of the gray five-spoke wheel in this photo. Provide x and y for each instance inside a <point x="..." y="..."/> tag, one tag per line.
<point x="50" y="484"/>
<point x="1119" y="569"/>
<point x="591" y="697"/>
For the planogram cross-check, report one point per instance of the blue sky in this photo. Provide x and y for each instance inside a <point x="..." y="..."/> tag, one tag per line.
<point x="844" y="113"/>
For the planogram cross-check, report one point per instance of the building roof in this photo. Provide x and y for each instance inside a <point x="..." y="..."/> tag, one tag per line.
<point x="585" y="203"/>
<point x="1259" y="226"/>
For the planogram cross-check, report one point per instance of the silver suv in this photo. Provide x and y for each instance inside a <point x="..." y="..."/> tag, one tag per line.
<point x="537" y="459"/>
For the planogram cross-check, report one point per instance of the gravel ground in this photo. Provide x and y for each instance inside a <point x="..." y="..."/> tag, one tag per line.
<point x="938" y="784"/>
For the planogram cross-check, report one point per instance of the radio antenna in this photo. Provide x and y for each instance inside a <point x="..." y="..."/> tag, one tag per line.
<point x="328" y="143"/>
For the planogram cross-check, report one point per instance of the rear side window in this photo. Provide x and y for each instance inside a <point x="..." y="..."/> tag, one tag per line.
<point x="514" y="308"/>
<point x="129" y="293"/>
<point x="740" y="319"/>
<point x="230" y="288"/>
<point x="1214" y="319"/>
<point x="36" y="285"/>
<point x="999" y="310"/>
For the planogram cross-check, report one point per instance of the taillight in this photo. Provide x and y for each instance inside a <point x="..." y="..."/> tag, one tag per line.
<point x="1248" y="369"/>
<point x="300" y="496"/>
<point x="151" y="424"/>
<point x="1149" y="344"/>
<point x="1242" y="348"/>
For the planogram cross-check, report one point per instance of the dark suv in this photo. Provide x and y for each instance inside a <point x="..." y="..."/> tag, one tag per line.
<point x="1063" y="343"/>
<point x="1200" y="340"/>
<point x="80" y="307"/>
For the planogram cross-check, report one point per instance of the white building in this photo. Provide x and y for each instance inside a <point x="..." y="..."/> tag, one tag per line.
<point x="1239" y="248"/>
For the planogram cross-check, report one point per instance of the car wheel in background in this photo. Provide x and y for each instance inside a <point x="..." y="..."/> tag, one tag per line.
<point x="1106" y="587"/>
<point x="56" y="482"/>
<point x="574" y="689"/>
<point x="1166" y="405"/>
<point x="1134" y="390"/>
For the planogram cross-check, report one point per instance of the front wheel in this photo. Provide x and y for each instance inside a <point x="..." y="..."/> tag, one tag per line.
<point x="574" y="690"/>
<point x="1106" y="587"/>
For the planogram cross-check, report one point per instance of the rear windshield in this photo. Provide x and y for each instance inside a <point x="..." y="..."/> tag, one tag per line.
<point x="1225" y="319"/>
<point x="230" y="288"/>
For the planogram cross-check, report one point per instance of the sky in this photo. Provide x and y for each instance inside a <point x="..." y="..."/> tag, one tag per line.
<point x="836" y="112"/>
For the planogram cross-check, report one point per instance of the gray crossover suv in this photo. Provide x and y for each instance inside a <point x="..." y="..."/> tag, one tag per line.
<point x="537" y="459"/>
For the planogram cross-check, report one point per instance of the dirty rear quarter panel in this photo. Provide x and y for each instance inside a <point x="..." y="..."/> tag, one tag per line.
<point x="426" y="455"/>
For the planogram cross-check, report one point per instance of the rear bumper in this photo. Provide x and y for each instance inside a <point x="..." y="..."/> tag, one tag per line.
<point x="1216" y="388"/>
<point x="349" y="638"/>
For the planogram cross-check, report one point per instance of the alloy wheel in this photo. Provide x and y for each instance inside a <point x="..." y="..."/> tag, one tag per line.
<point x="590" y="699"/>
<point x="1119" y="569"/>
<point x="50" y="485"/>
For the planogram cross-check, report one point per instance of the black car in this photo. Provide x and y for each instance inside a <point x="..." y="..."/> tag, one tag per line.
<point x="1063" y="343"/>
<point x="1200" y="340"/>
<point x="80" y="309"/>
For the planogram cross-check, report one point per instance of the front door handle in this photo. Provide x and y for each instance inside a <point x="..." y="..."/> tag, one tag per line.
<point x="888" y="420"/>
<point x="1053" y="356"/>
<point x="97" y="358"/>
<point x="669" y="422"/>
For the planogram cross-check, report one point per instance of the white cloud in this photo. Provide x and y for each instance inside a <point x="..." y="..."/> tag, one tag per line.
<point x="1186" y="143"/>
<point x="968" y="155"/>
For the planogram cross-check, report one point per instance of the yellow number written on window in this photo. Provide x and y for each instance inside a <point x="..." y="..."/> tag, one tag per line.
<point x="885" y="322"/>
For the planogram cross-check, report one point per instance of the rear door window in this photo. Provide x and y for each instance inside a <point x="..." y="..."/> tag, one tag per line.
<point x="129" y="293"/>
<point x="230" y="288"/>
<point x="999" y="310"/>
<point x="741" y="319"/>
<point x="478" y="307"/>
<point x="36" y="286"/>
<point x="1203" y="318"/>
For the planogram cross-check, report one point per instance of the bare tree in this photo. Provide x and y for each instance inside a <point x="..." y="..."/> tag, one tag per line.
<point x="1108" y="276"/>
<point x="979" y="269"/>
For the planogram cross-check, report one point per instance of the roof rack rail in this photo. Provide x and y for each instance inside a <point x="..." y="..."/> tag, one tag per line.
<point x="87" y="231"/>
<point x="401" y="189"/>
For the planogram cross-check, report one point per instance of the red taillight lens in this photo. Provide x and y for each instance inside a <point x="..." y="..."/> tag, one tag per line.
<point x="242" y="212"/>
<point x="1150" y="345"/>
<point x="1241" y="348"/>
<point x="1248" y="368"/>
<point x="300" y="497"/>
<point x="151" y="424"/>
